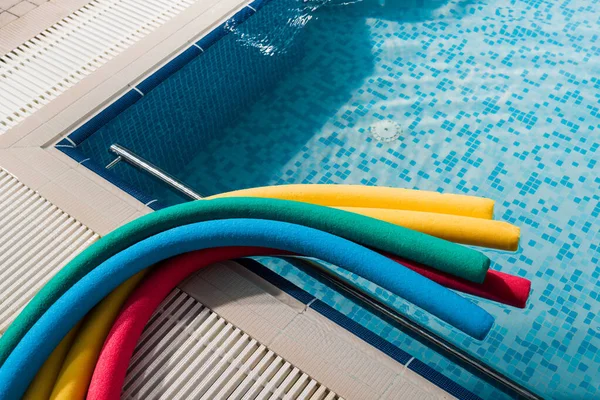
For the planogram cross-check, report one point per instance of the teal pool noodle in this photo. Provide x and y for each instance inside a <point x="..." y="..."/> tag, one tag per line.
<point x="37" y="344"/>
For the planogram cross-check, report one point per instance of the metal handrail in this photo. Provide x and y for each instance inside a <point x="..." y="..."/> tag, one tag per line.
<point x="124" y="154"/>
<point x="413" y="327"/>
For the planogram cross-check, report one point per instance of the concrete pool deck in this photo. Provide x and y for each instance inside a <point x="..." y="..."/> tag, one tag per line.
<point x="54" y="207"/>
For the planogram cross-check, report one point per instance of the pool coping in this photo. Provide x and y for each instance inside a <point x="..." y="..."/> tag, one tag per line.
<point x="337" y="317"/>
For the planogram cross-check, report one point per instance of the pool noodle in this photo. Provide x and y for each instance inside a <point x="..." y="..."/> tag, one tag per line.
<point x="111" y="369"/>
<point x="76" y="371"/>
<point x="43" y="382"/>
<point x="374" y="197"/>
<point x="46" y="333"/>
<point x="448" y="257"/>
<point x="498" y="286"/>
<point x="458" y="229"/>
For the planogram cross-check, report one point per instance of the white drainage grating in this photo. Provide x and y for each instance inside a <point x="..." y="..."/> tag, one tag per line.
<point x="189" y="352"/>
<point x="36" y="240"/>
<point x="186" y="350"/>
<point x="48" y="64"/>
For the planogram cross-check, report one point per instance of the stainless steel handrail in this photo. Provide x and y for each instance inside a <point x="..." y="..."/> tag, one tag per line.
<point x="420" y="331"/>
<point x="124" y="154"/>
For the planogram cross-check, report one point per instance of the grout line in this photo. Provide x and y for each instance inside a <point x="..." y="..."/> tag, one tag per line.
<point x="71" y="141"/>
<point x="137" y="90"/>
<point x="307" y="306"/>
<point x="385" y="394"/>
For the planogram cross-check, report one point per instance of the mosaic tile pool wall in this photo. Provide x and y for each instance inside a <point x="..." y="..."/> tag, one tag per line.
<point x="205" y="95"/>
<point x="492" y="98"/>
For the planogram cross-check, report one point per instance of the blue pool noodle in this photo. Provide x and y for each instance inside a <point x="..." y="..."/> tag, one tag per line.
<point x="35" y="347"/>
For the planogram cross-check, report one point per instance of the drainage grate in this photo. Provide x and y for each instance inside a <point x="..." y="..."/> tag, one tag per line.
<point x="48" y="64"/>
<point x="36" y="240"/>
<point x="188" y="351"/>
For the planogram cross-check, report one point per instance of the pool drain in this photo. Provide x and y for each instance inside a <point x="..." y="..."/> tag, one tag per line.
<point x="385" y="130"/>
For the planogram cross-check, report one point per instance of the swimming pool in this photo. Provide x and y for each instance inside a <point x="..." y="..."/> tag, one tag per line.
<point x="485" y="98"/>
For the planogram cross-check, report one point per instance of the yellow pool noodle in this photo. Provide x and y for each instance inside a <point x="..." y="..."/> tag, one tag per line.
<point x="43" y="382"/>
<point x="374" y="197"/>
<point x="77" y="369"/>
<point x="466" y="230"/>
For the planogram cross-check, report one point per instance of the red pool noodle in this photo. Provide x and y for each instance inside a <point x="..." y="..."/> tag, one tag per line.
<point x="111" y="369"/>
<point x="497" y="286"/>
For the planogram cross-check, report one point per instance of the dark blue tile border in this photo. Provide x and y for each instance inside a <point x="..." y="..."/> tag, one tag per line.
<point x="195" y="50"/>
<point x="441" y="380"/>
<point x="360" y="331"/>
<point x="105" y="116"/>
<point x="168" y="69"/>
<point x="69" y="146"/>
<point x="129" y="98"/>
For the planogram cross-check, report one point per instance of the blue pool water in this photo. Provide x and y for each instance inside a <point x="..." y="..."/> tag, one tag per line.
<point x="491" y="98"/>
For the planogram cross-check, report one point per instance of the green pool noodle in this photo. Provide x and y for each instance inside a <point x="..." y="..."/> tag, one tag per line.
<point x="419" y="247"/>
